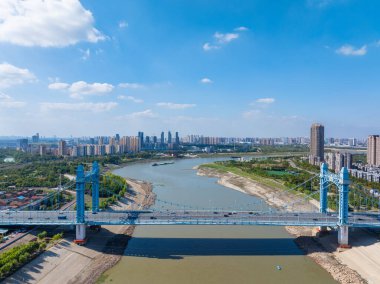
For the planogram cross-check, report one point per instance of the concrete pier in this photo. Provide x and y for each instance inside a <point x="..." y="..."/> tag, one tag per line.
<point x="80" y="236"/>
<point x="343" y="236"/>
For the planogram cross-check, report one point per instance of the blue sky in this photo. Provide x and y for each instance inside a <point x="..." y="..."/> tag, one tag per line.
<point x="218" y="68"/>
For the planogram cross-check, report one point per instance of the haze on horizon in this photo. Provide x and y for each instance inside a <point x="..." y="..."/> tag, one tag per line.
<point x="217" y="68"/>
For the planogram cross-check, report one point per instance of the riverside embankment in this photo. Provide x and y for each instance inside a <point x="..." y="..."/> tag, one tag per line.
<point x="70" y="263"/>
<point x="320" y="250"/>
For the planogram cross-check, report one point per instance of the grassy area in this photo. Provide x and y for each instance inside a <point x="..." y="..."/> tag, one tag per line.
<point x="274" y="173"/>
<point x="262" y="180"/>
<point x="278" y="173"/>
<point x="14" y="258"/>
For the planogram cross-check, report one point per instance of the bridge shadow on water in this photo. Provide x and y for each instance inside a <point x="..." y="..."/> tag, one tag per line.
<point x="178" y="248"/>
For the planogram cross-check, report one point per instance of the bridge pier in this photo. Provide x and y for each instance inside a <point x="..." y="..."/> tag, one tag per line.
<point x="80" y="234"/>
<point x="344" y="182"/>
<point x="343" y="236"/>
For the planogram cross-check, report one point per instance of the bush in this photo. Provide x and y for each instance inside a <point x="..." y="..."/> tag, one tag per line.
<point x="42" y="246"/>
<point x="11" y="259"/>
<point x="42" y="235"/>
<point x="57" y="237"/>
<point x="23" y="258"/>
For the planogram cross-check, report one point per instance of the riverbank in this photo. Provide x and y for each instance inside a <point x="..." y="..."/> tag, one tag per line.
<point x="70" y="263"/>
<point x="315" y="248"/>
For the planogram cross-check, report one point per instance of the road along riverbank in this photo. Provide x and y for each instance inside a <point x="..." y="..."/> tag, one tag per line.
<point x="69" y="263"/>
<point x="317" y="249"/>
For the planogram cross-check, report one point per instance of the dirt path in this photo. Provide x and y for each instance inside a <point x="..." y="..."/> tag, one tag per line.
<point x="70" y="263"/>
<point x="322" y="250"/>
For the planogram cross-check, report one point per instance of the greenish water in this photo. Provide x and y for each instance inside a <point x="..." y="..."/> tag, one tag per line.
<point x="207" y="254"/>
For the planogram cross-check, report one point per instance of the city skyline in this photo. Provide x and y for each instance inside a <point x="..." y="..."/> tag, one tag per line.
<point x="191" y="66"/>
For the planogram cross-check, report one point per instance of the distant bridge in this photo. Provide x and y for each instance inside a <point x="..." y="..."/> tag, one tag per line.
<point x="80" y="218"/>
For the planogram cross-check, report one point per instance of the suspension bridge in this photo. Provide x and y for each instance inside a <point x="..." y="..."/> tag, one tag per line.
<point x="342" y="219"/>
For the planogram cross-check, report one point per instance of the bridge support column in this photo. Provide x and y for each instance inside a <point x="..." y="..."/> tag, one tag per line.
<point x="95" y="187"/>
<point x="80" y="236"/>
<point x="344" y="182"/>
<point x="323" y="189"/>
<point x="343" y="236"/>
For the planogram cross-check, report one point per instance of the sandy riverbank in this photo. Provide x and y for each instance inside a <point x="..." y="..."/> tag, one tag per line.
<point x="70" y="263"/>
<point x="321" y="249"/>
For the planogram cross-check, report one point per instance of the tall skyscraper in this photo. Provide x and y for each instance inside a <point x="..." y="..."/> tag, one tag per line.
<point x="169" y="137"/>
<point x="373" y="150"/>
<point x="23" y="144"/>
<point x="317" y="144"/>
<point x="62" y="148"/>
<point x="162" y="138"/>
<point x="141" y="139"/>
<point x="177" y="138"/>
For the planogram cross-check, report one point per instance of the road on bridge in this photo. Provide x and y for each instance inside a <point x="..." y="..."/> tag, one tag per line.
<point x="137" y="217"/>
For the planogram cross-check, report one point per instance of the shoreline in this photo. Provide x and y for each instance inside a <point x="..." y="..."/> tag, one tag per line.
<point x="67" y="262"/>
<point x="304" y="236"/>
<point x="114" y="248"/>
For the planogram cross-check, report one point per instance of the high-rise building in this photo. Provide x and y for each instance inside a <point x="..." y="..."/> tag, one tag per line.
<point x="162" y="138"/>
<point x="62" y="148"/>
<point x="339" y="162"/>
<point x="36" y="138"/>
<point x="42" y="150"/>
<point x="348" y="160"/>
<point x="317" y="140"/>
<point x="169" y="137"/>
<point x="141" y="139"/>
<point x="373" y="150"/>
<point x="23" y="144"/>
<point x="177" y="138"/>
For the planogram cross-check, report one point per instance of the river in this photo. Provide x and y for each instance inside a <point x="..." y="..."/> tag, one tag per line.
<point x="207" y="254"/>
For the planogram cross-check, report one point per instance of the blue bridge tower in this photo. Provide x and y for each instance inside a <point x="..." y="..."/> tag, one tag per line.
<point x="81" y="180"/>
<point x="342" y="181"/>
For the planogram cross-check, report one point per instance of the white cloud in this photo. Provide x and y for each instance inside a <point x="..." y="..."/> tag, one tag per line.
<point x="220" y="39"/>
<point x="58" y="86"/>
<point x="86" y="53"/>
<point x="130" y="98"/>
<point x="206" y="81"/>
<point x="225" y="38"/>
<point x="207" y="46"/>
<point x="131" y="86"/>
<point x="349" y="50"/>
<point x="148" y="113"/>
<point x="81" y="88"/>
<point x="175" y="106"/>
<point x="52" y="23"/>
<point x="265" y="101"/>
<point x="123" y="24"/>
<point x="94" y="107"/>
<point x="6" y="101"/>
<point x="241" y="29"/>
<point x="12" y="75"/>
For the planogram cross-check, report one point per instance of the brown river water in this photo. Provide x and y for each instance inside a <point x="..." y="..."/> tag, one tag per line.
<point x="207" y="254"/>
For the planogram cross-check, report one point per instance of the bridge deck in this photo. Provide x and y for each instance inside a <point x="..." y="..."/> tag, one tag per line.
<point x="186" y="218"/>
